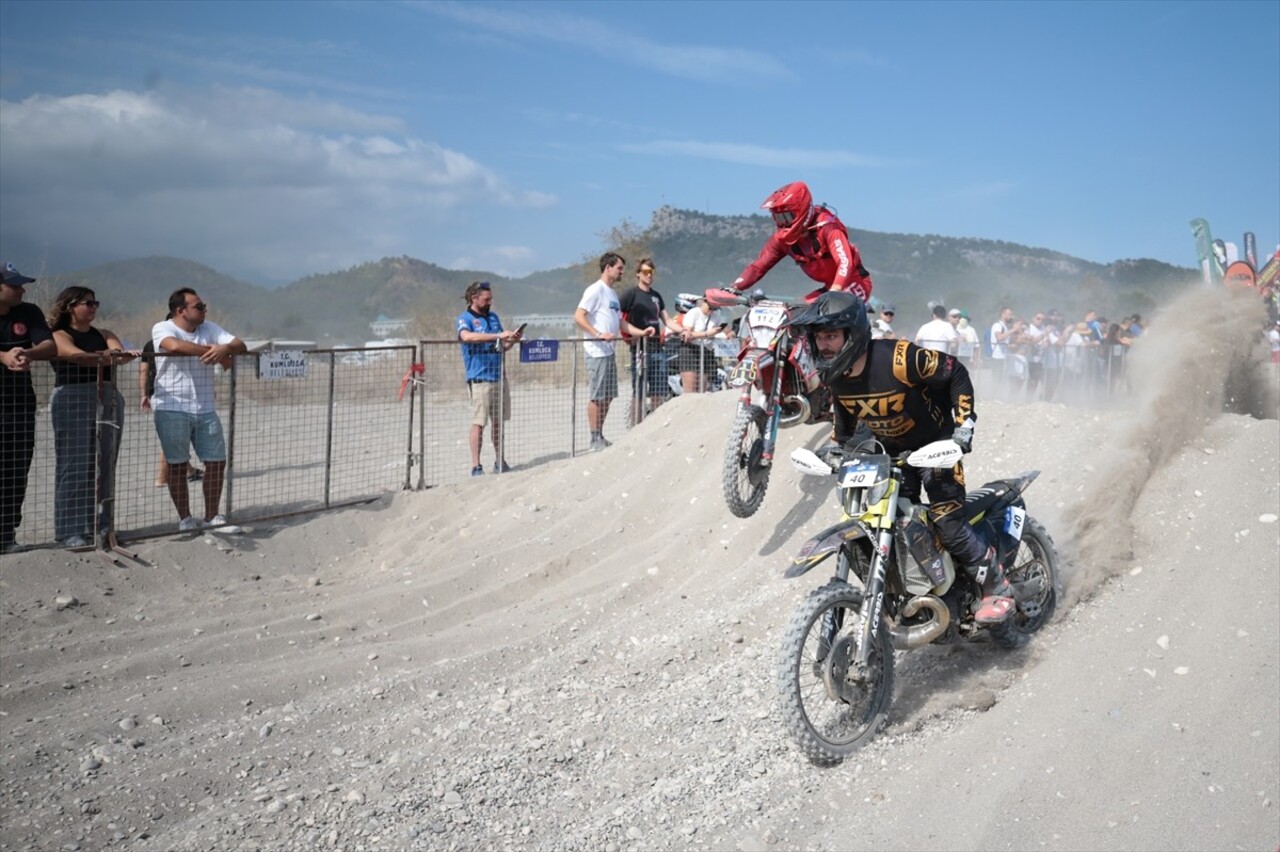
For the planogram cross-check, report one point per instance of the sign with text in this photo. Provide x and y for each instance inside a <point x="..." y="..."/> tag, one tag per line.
<point x="533" y="351"/>
<point x="283" y="364"/>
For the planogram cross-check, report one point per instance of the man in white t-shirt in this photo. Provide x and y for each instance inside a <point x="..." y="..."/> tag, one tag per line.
<point x="938" y="334"/>
<point x="1036" y="340"/>
<point x="998" y="337"/>
<point x="183" y="402"/>
<point x="599" y="315"/>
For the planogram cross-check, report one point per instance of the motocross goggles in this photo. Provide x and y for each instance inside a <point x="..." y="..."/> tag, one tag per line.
<point x="783" y="218"/>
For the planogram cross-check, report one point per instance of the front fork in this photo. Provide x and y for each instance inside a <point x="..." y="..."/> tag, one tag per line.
<point x="873" y="595"/>
<point x="774" y="402"/>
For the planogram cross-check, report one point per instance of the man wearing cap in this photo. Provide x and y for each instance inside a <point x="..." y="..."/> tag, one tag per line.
<point x="24" y="337"/>
<point x="968" y="346"/>
<point x="882" y="328"/>
<point x="483" y="341"/>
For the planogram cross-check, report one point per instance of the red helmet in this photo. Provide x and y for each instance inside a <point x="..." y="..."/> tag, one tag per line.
<point x="792" y="208"/>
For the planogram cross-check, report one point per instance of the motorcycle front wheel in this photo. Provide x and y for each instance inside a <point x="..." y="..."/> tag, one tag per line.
<point x="1033" y="571"/>
<point x="829" y="707"/>
<point x="746" y="474"/>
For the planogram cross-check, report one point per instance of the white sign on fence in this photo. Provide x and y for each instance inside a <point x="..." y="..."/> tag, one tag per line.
<point x="283" y="364"/>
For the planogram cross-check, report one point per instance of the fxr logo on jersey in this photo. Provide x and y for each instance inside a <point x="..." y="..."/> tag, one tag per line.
<point x="928" y="363"/>
<point x="879" y="405"/>
<point x="876" y="411"/>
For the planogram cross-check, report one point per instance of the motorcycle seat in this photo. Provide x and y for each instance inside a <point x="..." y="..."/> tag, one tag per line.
<point x="991" y="496"/>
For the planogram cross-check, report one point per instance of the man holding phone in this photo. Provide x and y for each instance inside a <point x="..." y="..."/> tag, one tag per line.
<point x="483" y="343"/>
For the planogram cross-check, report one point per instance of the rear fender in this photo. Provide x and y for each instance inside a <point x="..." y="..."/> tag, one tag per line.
<point x="822" y="545"/>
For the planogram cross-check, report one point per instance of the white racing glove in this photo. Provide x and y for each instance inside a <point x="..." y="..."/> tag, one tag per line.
<point x="963" y="435"/>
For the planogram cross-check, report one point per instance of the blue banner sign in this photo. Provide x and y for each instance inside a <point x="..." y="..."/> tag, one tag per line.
<point x="533" y="351"/>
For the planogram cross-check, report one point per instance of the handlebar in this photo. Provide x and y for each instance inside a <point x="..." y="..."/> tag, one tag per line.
<point x="722" y="297"/>
<point x="938" y="454"/>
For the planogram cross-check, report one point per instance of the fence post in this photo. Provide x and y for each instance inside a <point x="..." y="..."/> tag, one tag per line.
<point x="328" y="434"/>
<point x="413" y="395"/>
<point x="422" y="421"/>
<point x="573" y="405"/>
<point x="501" y="425"/>
<point x="227" y="479"/>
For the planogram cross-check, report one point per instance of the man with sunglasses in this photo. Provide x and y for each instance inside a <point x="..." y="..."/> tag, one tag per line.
<point x="24" y="338"/>
<point x="815" y="239"/>
<point x="483" y="341"/>
<point x="185" y="413"/>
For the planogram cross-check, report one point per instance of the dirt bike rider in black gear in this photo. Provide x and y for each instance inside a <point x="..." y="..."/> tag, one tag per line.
<point x="908" y="396"/>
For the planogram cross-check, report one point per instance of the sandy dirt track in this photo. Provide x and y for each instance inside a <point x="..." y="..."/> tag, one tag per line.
<point x="581" y="655"/>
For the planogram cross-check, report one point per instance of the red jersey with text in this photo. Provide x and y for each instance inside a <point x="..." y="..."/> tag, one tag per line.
<point x="824" y="252"/>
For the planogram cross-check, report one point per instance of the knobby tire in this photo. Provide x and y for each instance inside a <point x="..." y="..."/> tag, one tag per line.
<point x="745" y="477"/>
<point x="829" y="729"/>
<point x="1037" y="585"/>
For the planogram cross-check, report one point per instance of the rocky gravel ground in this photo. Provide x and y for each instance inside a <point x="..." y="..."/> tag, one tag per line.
<point x="582" y="656"/>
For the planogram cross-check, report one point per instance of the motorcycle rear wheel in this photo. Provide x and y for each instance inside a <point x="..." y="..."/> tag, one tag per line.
<point x="1037" y="584"/>
<point x="745" y="475"/>
<point x="816" y="657"/>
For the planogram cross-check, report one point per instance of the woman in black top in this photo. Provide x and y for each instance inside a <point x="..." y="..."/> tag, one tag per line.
<point x="84" y="395"/>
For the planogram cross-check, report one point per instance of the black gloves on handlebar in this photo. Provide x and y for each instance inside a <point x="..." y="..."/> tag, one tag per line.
<point x="833" y="454"/>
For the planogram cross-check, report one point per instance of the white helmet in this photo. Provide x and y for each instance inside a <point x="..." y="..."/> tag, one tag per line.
<point x="685" y="302"/>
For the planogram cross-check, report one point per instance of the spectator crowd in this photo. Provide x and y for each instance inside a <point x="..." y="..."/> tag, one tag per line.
<point x="87" y="407"/>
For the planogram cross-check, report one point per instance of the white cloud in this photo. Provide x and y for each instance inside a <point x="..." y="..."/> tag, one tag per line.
<point x="242" y="173"/>
<point x="686" y="61"/>
<point x="507" y="261"/>
<point x="756" y="155"/>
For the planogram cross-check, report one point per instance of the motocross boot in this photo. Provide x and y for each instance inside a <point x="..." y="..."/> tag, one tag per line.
<point x="997" y="594"/>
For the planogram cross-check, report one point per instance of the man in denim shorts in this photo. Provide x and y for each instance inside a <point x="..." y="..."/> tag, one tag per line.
<point x="185" y="414"/>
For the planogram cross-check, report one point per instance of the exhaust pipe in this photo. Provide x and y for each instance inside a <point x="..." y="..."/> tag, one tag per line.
<point x="795" y="410"/>
<point x="909" y="638"/>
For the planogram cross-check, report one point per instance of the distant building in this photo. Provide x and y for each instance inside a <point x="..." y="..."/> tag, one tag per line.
<point x="384" y="326"/>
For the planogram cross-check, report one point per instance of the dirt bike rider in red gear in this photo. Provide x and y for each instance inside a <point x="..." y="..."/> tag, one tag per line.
<point x="814" y="238"/>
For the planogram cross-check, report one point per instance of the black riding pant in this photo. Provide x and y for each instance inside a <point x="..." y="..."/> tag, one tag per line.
<point x="946" y="499"/>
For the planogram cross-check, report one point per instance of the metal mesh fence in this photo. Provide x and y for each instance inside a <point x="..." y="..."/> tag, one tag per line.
<point x="326" y="429"/>
<point x="315" y="429"/>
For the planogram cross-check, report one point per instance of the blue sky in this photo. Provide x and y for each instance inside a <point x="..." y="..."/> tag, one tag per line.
<point x="274" y="140"/>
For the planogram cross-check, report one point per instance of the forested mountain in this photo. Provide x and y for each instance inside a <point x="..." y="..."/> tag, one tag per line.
<point x="692" y="250"/>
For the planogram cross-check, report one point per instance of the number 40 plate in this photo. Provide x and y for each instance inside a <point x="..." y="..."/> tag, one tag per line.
<point x="1014" y="520"/>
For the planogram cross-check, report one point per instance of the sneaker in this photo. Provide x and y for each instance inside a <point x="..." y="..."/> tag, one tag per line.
<point x="478" y="470"/>
<point x="195" y="475"/>
<point x="75" y="541"/>
<point x="190" y="524"/>
<point x="220" y="525"/>
<point x="11" y="547"/>
<point x="598" y="444"/>
<point x="997" y="602"/>
<point x="501" y="467"/>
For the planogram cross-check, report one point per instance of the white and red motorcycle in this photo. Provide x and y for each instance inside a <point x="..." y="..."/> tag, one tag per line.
<point x="779" y="388"/>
